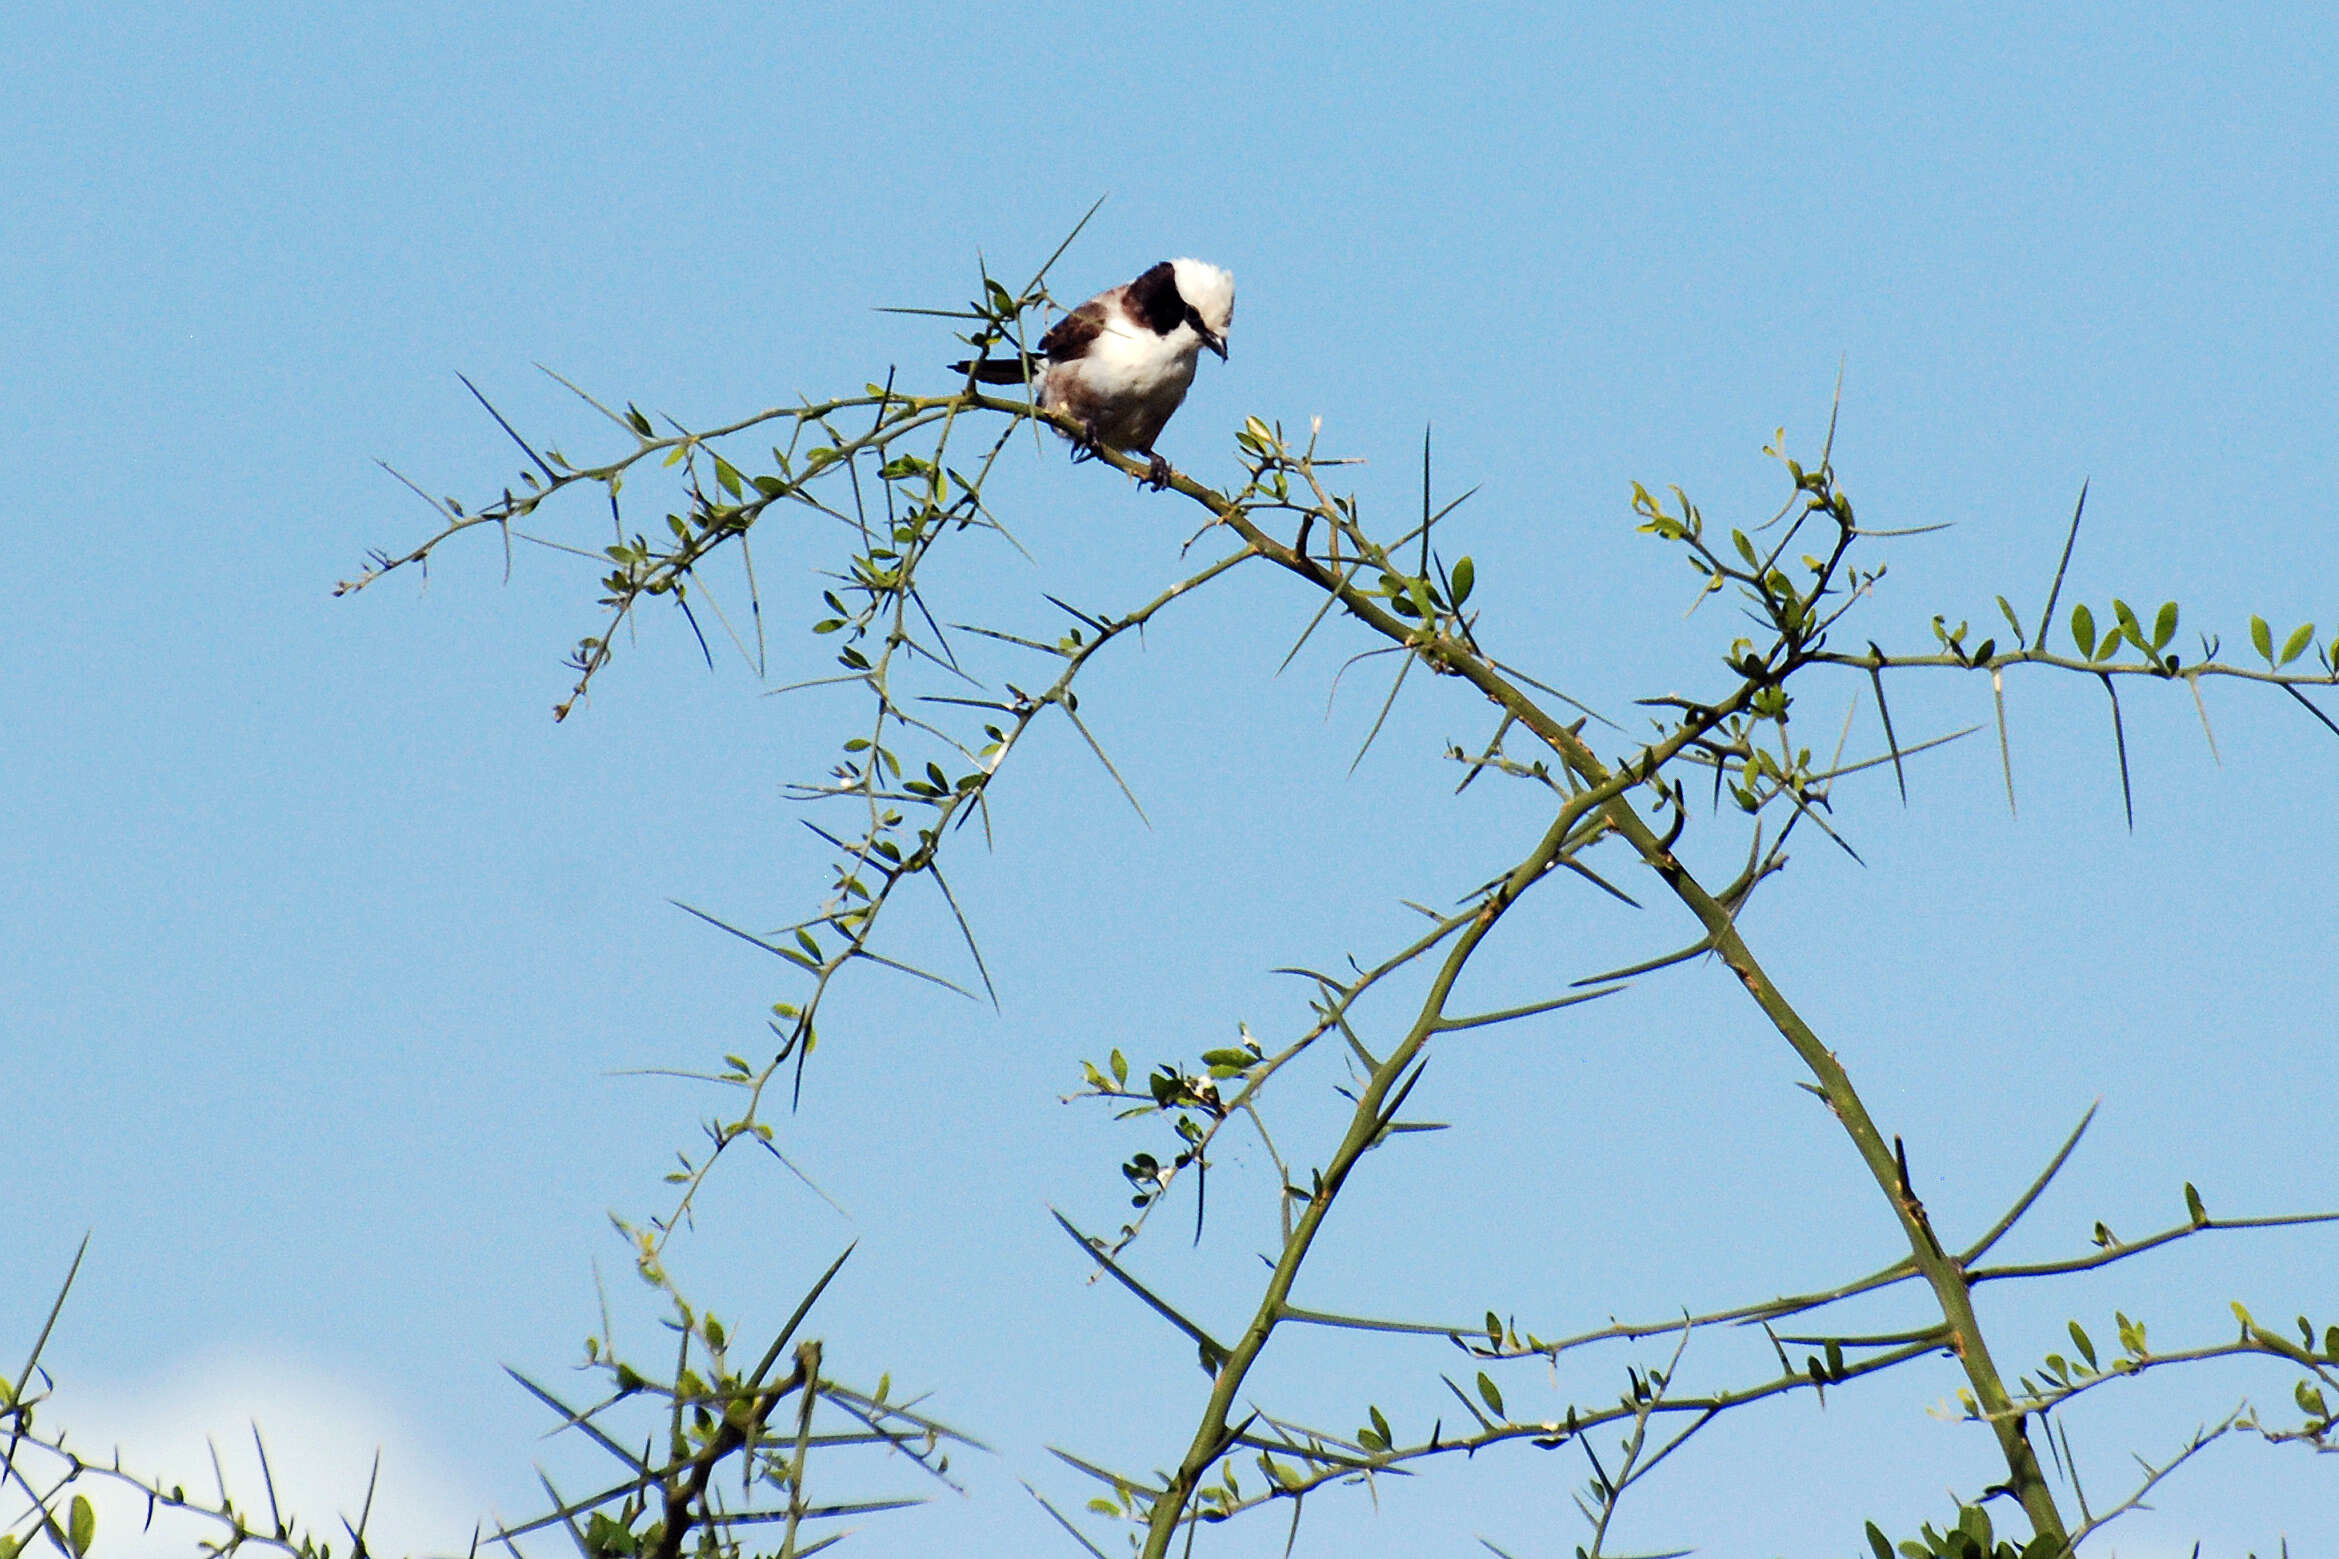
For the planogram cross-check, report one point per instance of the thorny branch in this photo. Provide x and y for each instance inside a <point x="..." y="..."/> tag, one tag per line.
<point x="1740" y="739"/>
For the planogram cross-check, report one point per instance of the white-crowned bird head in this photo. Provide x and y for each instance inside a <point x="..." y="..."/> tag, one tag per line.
<point x="1209" y="295"/>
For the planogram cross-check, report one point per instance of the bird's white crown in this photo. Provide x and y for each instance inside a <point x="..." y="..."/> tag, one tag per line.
<point x="1209" y="290"/>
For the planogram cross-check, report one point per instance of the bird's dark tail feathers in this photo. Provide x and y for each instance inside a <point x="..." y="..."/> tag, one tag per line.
<point x="999" y="370"/>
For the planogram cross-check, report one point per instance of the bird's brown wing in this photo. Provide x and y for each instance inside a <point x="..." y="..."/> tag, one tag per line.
<point x="1070" y="337"/>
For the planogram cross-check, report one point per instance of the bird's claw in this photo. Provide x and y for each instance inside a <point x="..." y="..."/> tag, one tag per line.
<point x="1086" y="445"/>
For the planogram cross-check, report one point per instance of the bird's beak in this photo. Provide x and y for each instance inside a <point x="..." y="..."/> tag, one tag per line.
<point x="1210" y="338"/>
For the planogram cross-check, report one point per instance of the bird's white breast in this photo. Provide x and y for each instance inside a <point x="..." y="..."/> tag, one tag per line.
<point x="1129" y="381"/>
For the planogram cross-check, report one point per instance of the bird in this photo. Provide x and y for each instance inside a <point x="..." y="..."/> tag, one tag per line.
<point x="1119" y="364"/>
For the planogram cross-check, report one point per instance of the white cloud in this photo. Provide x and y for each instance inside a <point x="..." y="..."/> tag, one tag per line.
<point x="321" y="1431"/>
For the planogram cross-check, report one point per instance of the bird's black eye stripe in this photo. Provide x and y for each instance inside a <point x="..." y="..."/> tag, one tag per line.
<point x="1153" y="298"/>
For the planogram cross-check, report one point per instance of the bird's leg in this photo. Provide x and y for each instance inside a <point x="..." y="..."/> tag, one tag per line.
<point x="1086" y="443"/>
<point x="1158" y="472"/>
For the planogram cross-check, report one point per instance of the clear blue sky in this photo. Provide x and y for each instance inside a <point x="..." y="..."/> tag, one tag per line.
<point x="319" y="941"/>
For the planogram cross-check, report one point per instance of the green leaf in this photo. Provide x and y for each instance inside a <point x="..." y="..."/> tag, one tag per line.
<point x="1746" y="549"/>
<point x="804" y="940"/>
<point x="2261" y="637"/>
<point x="2164" y="626"/>
<point x="1381" y="1427"/>
<point x="2296" y="644"/>
<point x="2086" y="1348"/>
<point x="81" y="1524"/>
<point x="1974" y="1522"/>
<point x="2200" y="1214"/>
<point x="2083" y="630"/>
<point x="1878" y="1543"/>
<point x="1493" y="1396"/>
<point x="1466" y="575"/>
